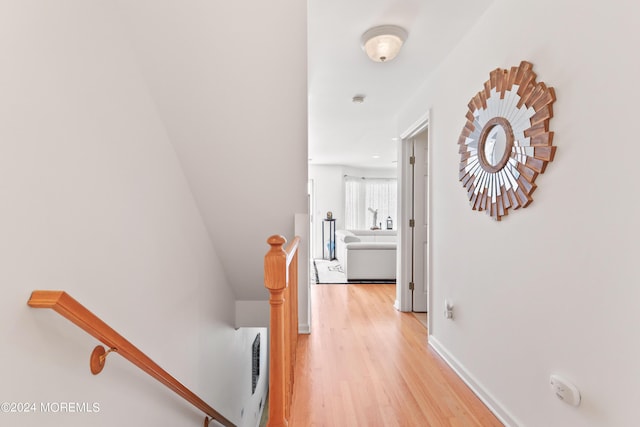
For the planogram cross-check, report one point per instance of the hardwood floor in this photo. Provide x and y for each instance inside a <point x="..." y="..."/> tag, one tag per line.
<point x="366" y="364"/>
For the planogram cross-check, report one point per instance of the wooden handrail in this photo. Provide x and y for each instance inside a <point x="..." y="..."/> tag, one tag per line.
<point x="68" y="307"/>
<point x="281" y="279"/>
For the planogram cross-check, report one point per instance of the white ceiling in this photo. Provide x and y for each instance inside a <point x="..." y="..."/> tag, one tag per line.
<point x="344" y="133"/>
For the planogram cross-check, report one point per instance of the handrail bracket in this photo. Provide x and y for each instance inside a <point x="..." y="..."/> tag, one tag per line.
<point x="98" y="358"/>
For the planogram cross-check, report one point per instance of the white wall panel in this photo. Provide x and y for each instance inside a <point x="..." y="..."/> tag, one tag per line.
<point x="551" y="288"/>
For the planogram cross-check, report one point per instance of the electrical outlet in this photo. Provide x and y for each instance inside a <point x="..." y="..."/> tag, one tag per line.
<point x="564" y="390"/>
<point x="448" y="309"/>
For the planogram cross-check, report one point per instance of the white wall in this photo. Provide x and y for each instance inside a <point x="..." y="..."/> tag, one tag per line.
<point x="235" y="109"/>
<point x="328" y="184"/>
<point x="328" y="190"/>
<point x="94" y="202"/>
<point x="565" y="299"/>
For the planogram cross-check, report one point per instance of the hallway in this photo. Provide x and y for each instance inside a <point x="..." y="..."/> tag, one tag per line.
<point x="366" y="364"/>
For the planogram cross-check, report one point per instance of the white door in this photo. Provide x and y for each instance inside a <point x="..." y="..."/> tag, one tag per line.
<point x="420" y="216"/>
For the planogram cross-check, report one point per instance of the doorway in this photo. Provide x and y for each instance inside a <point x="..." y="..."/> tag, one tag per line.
<point x="414" y="258"/>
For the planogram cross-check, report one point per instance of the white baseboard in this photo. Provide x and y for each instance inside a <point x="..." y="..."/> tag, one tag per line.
<point x="304" y="329"/>
<point x="494" y="406"/>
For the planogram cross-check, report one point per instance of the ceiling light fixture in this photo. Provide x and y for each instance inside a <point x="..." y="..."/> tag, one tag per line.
<point x="358" y="99"/>
<point x="383" y="43"/>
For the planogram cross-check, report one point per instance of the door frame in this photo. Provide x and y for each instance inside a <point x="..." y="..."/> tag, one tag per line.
<point x="403" y="293"/>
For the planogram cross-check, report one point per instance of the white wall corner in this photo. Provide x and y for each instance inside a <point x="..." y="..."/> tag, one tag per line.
<point x="302" y="229"/>
<point x="252" y="314"/>
<point x="487" y="398"/>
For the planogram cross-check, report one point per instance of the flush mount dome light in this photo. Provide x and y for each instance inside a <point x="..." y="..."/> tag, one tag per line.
<point x="383" y="43"/>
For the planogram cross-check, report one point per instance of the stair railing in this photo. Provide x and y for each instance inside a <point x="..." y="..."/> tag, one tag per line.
<point x="68" y="307"/>
<point x="281" y="279"/>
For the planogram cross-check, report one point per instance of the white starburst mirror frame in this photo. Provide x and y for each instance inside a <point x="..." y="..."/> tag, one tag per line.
<point x="506" y="141"/>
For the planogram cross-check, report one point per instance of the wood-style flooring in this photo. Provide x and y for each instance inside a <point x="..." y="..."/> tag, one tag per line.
<point x="366" y="364"/>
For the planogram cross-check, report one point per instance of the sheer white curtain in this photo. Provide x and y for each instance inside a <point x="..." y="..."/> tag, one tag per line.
<point x="354" y="207"/>
<point x="362" y="194"/>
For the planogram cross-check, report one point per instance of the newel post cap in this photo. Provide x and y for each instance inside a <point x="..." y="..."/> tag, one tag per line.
<point x="275" y="263"/>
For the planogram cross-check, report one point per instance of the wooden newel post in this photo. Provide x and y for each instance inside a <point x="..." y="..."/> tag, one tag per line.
<point x="275" y="280"/>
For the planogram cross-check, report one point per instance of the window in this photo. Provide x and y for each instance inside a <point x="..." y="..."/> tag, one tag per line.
<point x="364" y="196"/>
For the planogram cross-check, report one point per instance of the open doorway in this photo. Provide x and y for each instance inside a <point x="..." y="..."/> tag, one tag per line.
<point x="414" y="259"/>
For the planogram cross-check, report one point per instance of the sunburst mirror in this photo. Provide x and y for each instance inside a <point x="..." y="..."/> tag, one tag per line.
<point x="506" y="141"/>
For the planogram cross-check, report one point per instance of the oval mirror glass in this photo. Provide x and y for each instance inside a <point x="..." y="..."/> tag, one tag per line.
<point x="495" y="145"/>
